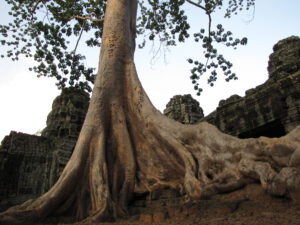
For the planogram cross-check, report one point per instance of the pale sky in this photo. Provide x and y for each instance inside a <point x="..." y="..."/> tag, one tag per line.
<point x="26" y="100"/>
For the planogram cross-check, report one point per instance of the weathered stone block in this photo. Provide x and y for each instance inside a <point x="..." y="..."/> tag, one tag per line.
<point x="67" y="114"/>
<point x="184" y="109"/>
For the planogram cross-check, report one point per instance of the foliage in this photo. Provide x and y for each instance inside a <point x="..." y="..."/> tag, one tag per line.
<point x="43" y="30"/>
<point x="167" y="20"/>
<point x="46" y="30"/>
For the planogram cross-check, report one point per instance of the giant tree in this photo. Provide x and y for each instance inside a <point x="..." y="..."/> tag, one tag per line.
<point x="124" y="142"/>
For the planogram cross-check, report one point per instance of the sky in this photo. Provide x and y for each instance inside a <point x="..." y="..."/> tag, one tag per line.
<point x="26" y="100"/>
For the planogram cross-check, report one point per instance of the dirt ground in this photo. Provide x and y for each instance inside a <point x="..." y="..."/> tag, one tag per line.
<point x="247" y="206"/>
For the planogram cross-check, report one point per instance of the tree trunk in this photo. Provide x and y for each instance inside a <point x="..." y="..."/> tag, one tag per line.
<point x="126" y="146"/>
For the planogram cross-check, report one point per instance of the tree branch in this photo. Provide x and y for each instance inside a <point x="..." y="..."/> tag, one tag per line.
<point x="197" y="5"/>
<point x="35" y="6"/>
<point x="207" y="12"/>
<point x="209" y="19"/>
<point x="87" y="18"/>
<point x="82" y="28"/>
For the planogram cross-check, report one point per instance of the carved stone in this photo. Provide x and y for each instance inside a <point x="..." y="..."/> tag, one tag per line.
<point x="184" y="109"/>
<point x="285" y="59"/>
<point x="67" y="115"/>
<point x="25" y="167"/>
<point x="271" y="109"/>
<point x="29" y="164"/>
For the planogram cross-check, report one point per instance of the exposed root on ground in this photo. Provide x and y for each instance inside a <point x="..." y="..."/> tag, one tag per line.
<point x="128" y="147"/>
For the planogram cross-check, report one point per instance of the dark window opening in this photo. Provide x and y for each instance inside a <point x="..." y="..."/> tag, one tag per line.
<point x="272" y="129"/>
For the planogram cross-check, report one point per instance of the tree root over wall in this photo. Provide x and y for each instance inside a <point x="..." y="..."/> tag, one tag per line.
<point x="137" y="150"/>
<point x="128" y="147"/>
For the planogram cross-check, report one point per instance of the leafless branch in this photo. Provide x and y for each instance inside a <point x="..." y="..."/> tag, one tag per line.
<point x="197" y="5"/>
<point x="82" y="28"/>
<point x="207" y="12"/>
<point x="87" y="18"/>
<point x="209" y="18"/>
<point x="35" y="6"/>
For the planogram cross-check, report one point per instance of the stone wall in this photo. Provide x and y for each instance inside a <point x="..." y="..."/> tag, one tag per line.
<point x="271" y="109"/>
<point x="25" y="164"/>
<point x="29" y="164"/>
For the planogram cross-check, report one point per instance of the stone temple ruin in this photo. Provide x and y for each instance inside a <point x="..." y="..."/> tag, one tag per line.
<point x="271" y="109"/>
<point x="29" y="164"/>
<point x="185" y="109"/>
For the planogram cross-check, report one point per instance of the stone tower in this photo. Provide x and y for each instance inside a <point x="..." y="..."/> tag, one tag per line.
<point x="184" y="109"/>
<point x="67" y="115"/>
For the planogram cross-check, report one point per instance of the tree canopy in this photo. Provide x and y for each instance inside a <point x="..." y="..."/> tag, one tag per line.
<point x="50" y="32"/>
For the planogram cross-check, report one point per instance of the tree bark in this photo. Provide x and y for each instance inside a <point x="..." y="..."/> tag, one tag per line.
<point x="126" y="146"/>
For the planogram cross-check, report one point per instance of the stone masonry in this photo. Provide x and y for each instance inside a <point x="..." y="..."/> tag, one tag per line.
<point x="271" y="109"/>
<point x="184" y="109"/>
<point x="29" y="164"/>
<point x="67" y="114"/>
<point x="25" y="167"/>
